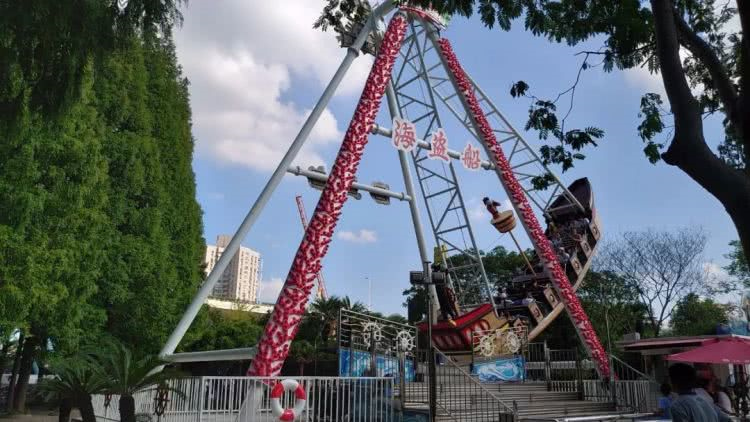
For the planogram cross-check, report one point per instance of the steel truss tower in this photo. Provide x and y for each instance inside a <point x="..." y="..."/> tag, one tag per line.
<point x="429" y="71"/>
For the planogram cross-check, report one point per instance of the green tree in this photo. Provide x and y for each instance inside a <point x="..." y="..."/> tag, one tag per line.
<point x="612" y="304"/>
<point x="53" y="191"/>
<point x="127" y="376"/>
<point x="154" y="250"/>
<point x="75" y="379"/>
<point x="48" y="46"/>
<point x="397" y="318"/>
<point x="303" y="353"/>
<point x="217" y="329"/>
<point x="712" y="79"/>
<point x="694" y="316"/>
<point x="738" y="267"/>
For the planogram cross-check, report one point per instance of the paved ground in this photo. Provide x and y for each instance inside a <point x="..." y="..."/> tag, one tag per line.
<point x="36" y="415"/>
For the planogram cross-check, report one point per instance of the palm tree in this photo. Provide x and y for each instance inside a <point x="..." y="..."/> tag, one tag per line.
<point x="357" y="306"/>
<point x="76" y="379"/>
<point x="327" y="309"/>
<point x="128" y="376"/>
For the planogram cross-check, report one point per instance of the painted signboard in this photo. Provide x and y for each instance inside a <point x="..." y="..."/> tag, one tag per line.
<point x="500" y="370"/>
<point x="385" y="365"/>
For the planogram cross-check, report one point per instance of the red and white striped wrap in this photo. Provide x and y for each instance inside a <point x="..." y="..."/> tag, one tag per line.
<point x="518" y="198"/>
<point x="280" y="330"/>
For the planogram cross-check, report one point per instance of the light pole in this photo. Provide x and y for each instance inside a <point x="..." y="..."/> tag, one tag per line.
<point x="369" y="293"/>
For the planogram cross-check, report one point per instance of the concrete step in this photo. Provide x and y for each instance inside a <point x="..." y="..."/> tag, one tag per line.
<point x="558" y="412"/>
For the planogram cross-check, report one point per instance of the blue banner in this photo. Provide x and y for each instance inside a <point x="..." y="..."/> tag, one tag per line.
<point x="500" y="370"/>
<point x="386" y="366"/>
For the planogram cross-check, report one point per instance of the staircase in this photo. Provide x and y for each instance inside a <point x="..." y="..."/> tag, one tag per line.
<point x="461" y="397"/>
<point x="531" y="401"/>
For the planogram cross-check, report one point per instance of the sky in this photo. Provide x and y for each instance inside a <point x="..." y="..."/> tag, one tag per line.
<point x="256" y="69"/>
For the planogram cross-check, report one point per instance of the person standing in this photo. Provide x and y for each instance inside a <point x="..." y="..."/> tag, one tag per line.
<point x="665" y="401"/>
<point x="688" y="407"/>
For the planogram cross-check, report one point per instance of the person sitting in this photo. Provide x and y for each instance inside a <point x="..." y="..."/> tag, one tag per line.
<point x="688" y="407"/>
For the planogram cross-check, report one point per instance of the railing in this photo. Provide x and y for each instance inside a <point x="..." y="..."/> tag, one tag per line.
<point x="458" y="395"/>
<point x="563" y="370"/>
<point x="247" y="399"/>
<point x="499" y="342"/>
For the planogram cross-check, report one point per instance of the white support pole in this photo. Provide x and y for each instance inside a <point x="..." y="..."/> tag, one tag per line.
<point x="322" y="177"/>
<point x="278" y="174"/>
<point x="424" y="255"/>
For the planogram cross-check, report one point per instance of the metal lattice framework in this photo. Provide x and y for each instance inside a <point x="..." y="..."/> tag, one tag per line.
<point x="438" y="180"/>
<point x="428" y="72"/>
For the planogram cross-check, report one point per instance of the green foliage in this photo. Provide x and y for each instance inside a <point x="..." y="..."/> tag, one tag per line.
<point x="326" y="311"/>
<point x="47" y="46"/>
<point x="397" y="318"/>
<point x="694" y="316"/>
<point x="99" y="221"/>
<point x="53" y="195"/>
<point x="415" y="304"/>
<point x="626" y="30"/>
<point x="612" y="304"/>
<point x="302" y="351"/>
<point x="155" y="247"/>
<point x="651" y="112"/>
<point x="75" y="378"/>
<point x="127" y="375"/>
<point x="738" y="266"/>
<point x="499" y="264"/>
<point x="217" y="329"/>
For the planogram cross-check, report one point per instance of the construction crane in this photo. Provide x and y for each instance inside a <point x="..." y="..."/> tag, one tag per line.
<point x="321" y="293"/>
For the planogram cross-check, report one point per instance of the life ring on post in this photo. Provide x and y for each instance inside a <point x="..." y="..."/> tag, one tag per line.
<point x="288" y="415"/>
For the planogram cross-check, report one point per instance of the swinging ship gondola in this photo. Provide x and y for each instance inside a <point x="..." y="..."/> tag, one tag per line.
<point x="529" y="302"/>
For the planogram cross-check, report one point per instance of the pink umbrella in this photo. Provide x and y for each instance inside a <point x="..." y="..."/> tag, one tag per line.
<point x="730" y="350"/>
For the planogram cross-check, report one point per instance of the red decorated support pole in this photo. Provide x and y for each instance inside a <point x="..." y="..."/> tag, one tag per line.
<point x="523" y="208"/>
<point x="280" y="330"/>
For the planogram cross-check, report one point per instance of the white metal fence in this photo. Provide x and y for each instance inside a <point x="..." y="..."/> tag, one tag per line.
<point x="247" y="399"/>
<point x="630" y="395"/>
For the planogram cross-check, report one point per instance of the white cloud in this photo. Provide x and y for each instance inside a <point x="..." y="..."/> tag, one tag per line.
<point x="242" y="59"/>
<point x="268" y="290"/>
<point x="215" y="196"/>
<point x="361" y="236"/>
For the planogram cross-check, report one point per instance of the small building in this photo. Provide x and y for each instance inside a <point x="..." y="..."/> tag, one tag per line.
<point x="654" y="352"/>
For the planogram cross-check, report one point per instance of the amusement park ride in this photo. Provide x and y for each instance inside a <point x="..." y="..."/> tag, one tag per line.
<point x="420" y="76"/>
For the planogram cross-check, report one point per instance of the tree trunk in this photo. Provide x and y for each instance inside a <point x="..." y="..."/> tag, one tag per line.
<point x="87" y="409"/>
<point x="127" y="408"/>
<point x="301" y="369"/>
<point x="688" y="150"/>
<point x="14" y="375"/>
<point x="24" y="373"/>
<point x="65" y="409"/>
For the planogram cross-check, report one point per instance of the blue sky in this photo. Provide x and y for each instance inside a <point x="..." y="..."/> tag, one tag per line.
<point x="257" y="67"/>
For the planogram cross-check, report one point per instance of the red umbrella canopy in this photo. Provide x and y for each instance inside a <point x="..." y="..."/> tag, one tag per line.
<point x="729" y="350"/>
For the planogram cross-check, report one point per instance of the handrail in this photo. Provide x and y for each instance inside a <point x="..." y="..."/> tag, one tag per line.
<point x="477" y="383"/>
<point x="626" y="365"/>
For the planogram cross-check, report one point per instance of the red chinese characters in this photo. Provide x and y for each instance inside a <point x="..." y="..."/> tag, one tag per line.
<point x="439" y="146"/>
<point x="404" y="136"/>
<point x="470" y="158"/>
